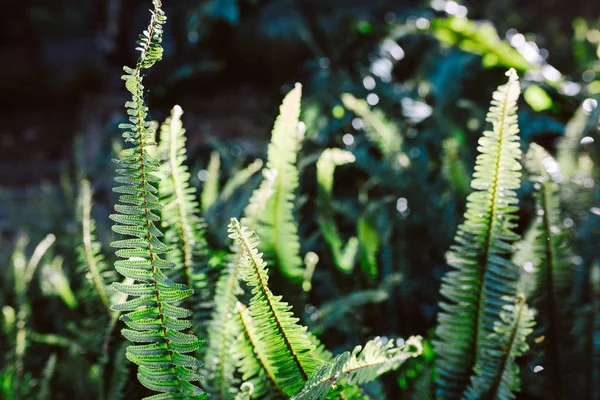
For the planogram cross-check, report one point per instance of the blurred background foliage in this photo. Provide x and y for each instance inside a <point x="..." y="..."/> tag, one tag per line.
<point x="402" y="85"/>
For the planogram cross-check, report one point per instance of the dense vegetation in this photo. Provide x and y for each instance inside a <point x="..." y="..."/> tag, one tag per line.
<point x="392" y="240"/>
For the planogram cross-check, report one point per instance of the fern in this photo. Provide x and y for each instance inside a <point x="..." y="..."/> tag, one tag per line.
<point x="285" y="342"/>
<point x="252" y="363"/>
<point x="483" y="280"/>
<point x="223" y="330"/>
<point x="380" y="130"/>
<point x="90" y="258"/>
<point x="553" y="271"/>
<point x="278" y="228"/>
<point x="183" y="226"/>
<point x="511" y="332"/>
<point x="343" y="255"/>
<point x="153" y="316"/>
<point x="210" y="191"/>
<point x="361" y="366"/>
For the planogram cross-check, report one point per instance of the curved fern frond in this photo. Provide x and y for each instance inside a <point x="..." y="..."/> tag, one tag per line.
<point x="511" y="332"/>
<point x="239" y="178"/>
<point x="154" y="316"/>
<point x="483" y="279"/>
<point x="180" y="218"/>
<point x="280" y="336"/>
<point x="278" y="227"/>
<point x="360" y="366"/>
<point x="553" y="271"/>
<point x="90" y="257"/>
<point x="343" y="255"/>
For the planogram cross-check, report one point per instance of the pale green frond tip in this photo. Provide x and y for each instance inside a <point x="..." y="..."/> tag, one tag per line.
<point x="512" y="75"/>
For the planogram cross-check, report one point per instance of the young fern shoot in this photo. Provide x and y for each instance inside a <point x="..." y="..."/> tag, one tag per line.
<point x="483" y="280"/>
<point x="152" y="316"/>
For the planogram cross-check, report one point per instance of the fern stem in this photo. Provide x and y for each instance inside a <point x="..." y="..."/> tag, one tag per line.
<point x="267" y="294"/>
<point x="88" y="252"/>
<point x="245" y="321"/>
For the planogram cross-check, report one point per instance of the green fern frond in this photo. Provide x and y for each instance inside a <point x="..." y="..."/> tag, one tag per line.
<point x="380" y="130"/>
<point x="343" y="255"/>
<point x="361" y="366"/>
<point x="280" y="336"/>
<point x="369" y="241"/>
<point x="181" y="221"/>
<point x="278" y="227"/>
<point x="154" y="316"/>
<point x="210" y="190"/>
<point x="553" y="270"/>
<point x="239" y="178"/>
<point x="55" y="282"/>
<point x="91" y="259"/>
<point x="483" y="280"/>
<point x="223" y="330"/>
<point x="252" y="362"/>
<point x="511" y="332"/>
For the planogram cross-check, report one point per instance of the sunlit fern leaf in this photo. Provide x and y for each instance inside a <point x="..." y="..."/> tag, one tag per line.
<point x="553" y="277"/>
<point x="251" y="362"/>
<point x="278" y="227"/>
<point x="343" y="255"/>
<point x="210" y="189"/>
<point x="92" y="262"/>
<point x="368" y="238"/>
<point x="483" y="279"/>
<point x="515" y="324"/>
<point x="180" y="214"/>
<point x="55" y="282"/>
<point x="153" y="315"/>
<point x="380" y="130"/>
<point x="359" y="366"/>
<point x="280" y="336"/>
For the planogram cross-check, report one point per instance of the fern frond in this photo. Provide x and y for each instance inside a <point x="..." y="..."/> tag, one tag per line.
<point x="553" y="270"/>
<point x="90" y="257"/>
<point x="511" y="332"/>
<point x="210" y="190"/>
<point x="223" y="331"/>
<point x="239" y="178"/>
<point x="55" y="282"/>
<point x="154" y="316"/>
<point x="483" y="280"/>
<point x="361" y="366"/>
<point x="180" y="213"/>
<point x="278" y="227"/>
<point x="380" y="130"/>
<point x="343" y="255"/>
<point x="280" y="336"/>
<point x="251" y="362"/>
